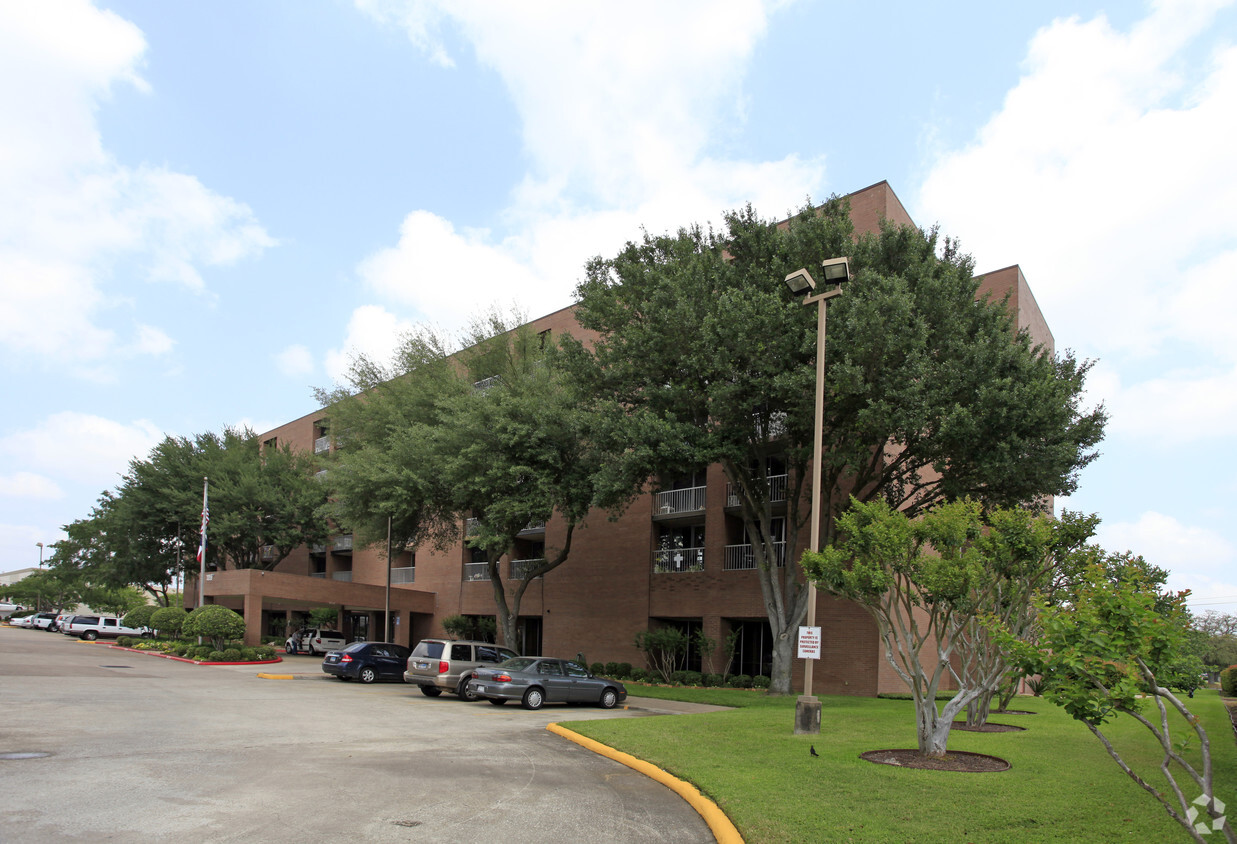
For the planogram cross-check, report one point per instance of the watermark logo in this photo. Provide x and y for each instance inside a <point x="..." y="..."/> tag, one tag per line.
<point x="1217" y="807"/>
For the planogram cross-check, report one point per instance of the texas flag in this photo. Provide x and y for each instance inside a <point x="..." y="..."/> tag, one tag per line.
<point x="205" y="519"/>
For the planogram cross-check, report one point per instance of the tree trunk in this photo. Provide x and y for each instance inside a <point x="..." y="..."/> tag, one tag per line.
<point x="783" y="661"/>
<point x="977" y="710"/>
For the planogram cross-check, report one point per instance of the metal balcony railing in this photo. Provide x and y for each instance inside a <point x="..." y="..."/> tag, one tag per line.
<point x="322" y="445"/>
<point x="321" y="575"/>
<point x="675" y="560"/>
<point x="268" y="553"/>
<point x="345" y="576"/>
<point x="404" y="574"/>
<point x="689" y="500"/>
<point x="342" y="543"/>
<point x="521" y="568"/>
<point x="777" y="491"/>
<point x="476" y="571"/>
<point x="742" y="558"/>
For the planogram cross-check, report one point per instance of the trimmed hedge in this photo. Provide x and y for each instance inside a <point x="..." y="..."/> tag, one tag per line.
<point x="1228" y="681"/>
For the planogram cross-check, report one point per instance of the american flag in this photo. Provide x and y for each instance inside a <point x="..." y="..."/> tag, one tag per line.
<point x="205" y="519"/>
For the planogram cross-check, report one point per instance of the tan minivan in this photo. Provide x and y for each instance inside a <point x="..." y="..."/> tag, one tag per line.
<point x="439" y="665"/>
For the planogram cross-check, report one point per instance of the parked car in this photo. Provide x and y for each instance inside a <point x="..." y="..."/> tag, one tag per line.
<point x="24" y="621"/>
<point x="91" y="627"/>
<point x="368" y="661"/>
<point x="43" y="620"/>
<point x="319" y="641"/>
<point x="535" y="680"/>
<point x="439" y="665"/>
<point x="7" y="609"/>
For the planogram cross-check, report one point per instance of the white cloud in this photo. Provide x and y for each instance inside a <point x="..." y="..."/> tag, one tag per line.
<point x="1179" y="406"/>
<point x="29" y="485"/>
<point x="80" y="447"/>
<point x="373" y="332"/>
<point x="73" y="215"/>
<point x="295" y="361"/>
<point x="620" y="106"/>
<point x="1114" y="150"/>
<point x="1198" y="558"/>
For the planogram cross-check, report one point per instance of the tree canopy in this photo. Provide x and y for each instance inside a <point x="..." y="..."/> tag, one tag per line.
<point x="704" y="356"/>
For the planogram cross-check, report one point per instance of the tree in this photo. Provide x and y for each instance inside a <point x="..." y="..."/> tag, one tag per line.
<point x="47" y="588"/>
<point x="1102" y="655"/>
<point x="139" y="616"/>
<point x="663" y="647"/>
<point x="495" y="436"/>
<point x="1218" y="632"/>
<point x="924" y="581"/>
<point x="215" y="622"/>
<point x="705" y="357"/>
<point x="169" y="621"/>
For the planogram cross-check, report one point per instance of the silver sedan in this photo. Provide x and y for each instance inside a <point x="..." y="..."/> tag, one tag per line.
<point x="535" y="680"/>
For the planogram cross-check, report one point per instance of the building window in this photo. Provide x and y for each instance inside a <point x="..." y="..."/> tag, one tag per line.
<point x="680" y="548"/>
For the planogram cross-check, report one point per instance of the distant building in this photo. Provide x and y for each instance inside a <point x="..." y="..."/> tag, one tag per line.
<point x="617" y="581"/>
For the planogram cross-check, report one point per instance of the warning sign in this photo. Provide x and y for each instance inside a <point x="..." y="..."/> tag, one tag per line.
<point x="809" y="643"/>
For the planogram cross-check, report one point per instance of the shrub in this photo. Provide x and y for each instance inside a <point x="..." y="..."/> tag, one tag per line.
<point x="740" y="681"/>
<point x="139" y="617"/>
<point x="202" y="651"/>
<point x="264" y="652"/>
<point x="686" y="678"/>
<point x="232" y="655"/>
<point x="125" y="641"/>
<point x="760" y="681"/>
<point x="638" y="675"/>
<point x="216" y="656"/>
<point x="611" y="670"/>
<point x="623" y="670"/>
<point x="215" y="622"/>
<point x="169" y="621"/>
<point x="598" y="669"/>
<point x="662" y="646"/>
<point x="712" y="680"/>
<point x="1228" y="681"/>
<point x="249" y="654"/>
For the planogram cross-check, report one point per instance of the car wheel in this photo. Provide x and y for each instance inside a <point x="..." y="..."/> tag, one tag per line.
<point x="533" y="698"/>
<point x="497" y="701"/>
<point x="90" y="635"/>
<point x="461" y="691"/>
<point x="609" y="697"/>
<point x="431" y="691"/>
<point x="367" y="675"/>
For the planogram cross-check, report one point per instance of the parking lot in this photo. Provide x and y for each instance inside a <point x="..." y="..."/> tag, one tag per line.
<point x="139" y="748"/>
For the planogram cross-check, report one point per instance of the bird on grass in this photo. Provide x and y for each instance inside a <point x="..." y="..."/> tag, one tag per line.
<point x="811" y="748"/>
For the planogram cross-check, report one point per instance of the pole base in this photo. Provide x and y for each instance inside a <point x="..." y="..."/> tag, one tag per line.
<point x="807" y="715"/>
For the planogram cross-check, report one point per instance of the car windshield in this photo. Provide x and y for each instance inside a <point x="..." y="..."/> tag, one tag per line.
<point x="356" y="646"/>
<point x="433" y="650"/>
<point x="518" y="663"/>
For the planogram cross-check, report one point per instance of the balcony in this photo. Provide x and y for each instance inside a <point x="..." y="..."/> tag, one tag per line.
<point x="342" y="544"/>
<point x="742" y="558"/>
<point x="344" y="576"/>
<point x="675" y="501"/>
<point x="521" y="568"/>
<point x="317" y="548"/>
<point x="321" y="575"/>
<point x="678" y="560"/>
<point x="322" y="445"/>
<point x="486" y="383"/>
<point x="533" y="529"/>
<point x="476" y="571"/>
<point x="268" y="553"/>
<point x="405" y="574"/>
<point x="777" y="491"/>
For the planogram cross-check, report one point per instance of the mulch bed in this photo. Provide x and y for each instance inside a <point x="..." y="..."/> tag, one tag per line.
<point x="956" y="760"/>
<point x="986" y="728"/>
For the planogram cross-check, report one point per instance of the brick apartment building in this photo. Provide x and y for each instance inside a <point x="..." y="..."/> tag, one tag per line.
<point x="616" y="582"/>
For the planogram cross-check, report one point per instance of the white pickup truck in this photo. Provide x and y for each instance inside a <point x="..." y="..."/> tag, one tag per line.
<point x="91" y="627"/>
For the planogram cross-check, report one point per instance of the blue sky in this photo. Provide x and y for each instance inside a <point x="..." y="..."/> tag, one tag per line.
<point x="208" y="206"/>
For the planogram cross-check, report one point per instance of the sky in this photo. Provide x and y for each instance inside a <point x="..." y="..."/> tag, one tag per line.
<point x="207" y="207"/>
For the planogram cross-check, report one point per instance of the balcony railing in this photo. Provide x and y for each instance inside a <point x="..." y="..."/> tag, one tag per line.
<point x="535" y="527"/>
<point x="690" y="500"/>
<point x="777" y="491"/>
<point x="342" y="544"/>
<point x="521" y="568"/>
<point x="485" y="384"/>
<point x="742" y="558"/>
<point x="476" y="571"/>
<point x="321" y="575"/>
<point x="675" y="560"/>
<point x="322" y="445"/>
<point x="317" y="548"/>
<point x="404" y="574"/>
<point x="471" y="526"/>
<point x="345" y="576"/>
<point x="269" y="553"/>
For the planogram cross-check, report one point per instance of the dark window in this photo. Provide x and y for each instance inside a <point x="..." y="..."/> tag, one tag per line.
<point x="574" y="669"/>
<point x="485" y="654"/>
<point x="461" y="652"/>
<point x="547" y="666"/>
<point x="431" y="650"/>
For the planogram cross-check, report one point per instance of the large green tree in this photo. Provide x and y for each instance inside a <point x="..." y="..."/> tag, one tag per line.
<point x="495" y="435"/>
<point x="704" y="356"/>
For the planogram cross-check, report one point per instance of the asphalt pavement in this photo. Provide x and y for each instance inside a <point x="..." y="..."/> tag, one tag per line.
<point x="102" y="744"/>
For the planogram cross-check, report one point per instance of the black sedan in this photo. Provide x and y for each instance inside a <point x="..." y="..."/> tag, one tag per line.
<point x="367" y="662"/>
<point x="534" y="680"/>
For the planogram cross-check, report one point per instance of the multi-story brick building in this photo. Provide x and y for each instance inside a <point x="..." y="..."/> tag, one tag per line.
<point x="617" y="581"/>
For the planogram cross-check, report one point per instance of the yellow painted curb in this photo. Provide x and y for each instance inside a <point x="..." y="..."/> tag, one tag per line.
<point x="277" y="676"/>
<point x="721" y="827"/>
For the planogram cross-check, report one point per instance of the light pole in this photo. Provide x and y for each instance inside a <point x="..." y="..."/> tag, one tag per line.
<point x="800" y="282"/>
<point x="38" y="595"/>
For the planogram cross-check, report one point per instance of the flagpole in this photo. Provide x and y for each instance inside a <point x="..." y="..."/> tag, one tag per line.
<point x="202" y="545"/>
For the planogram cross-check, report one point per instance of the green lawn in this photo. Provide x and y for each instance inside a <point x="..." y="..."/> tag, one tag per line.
<point x="1063" y="786"/>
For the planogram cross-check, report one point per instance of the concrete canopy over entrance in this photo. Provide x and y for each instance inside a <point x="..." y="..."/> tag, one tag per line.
<point x="256" y="590"/>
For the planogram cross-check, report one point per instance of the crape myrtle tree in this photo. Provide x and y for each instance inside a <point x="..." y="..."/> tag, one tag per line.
<point x="704" y="356"/>
<point x="1103" y="654"/>
<point x="494" y="435"/>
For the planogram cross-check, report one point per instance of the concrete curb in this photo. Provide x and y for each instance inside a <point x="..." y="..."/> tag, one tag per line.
<point x="720" y="825"/>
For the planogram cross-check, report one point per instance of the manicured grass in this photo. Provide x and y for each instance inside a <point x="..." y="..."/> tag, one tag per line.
<point x="1063" y="786"/>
